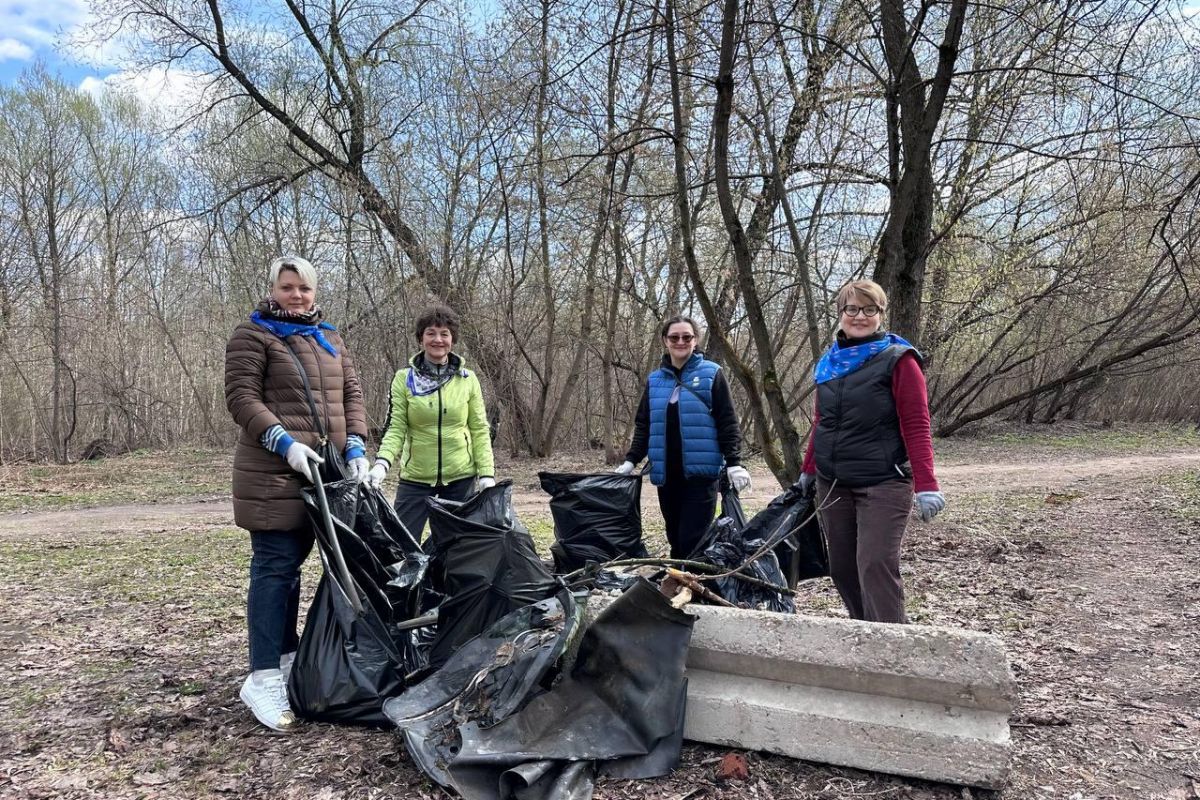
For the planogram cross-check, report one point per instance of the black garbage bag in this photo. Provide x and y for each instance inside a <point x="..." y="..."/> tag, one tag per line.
<point x="790" y="520"/>
<point x="351" y="656"/>
<point x="486" y="679"/>
<point x="619" y="712"/>
<point x="731" y="548"/>
<point x="729" y="542"/>
<point x="597" y="517"/>
<point x="485" y="564"/>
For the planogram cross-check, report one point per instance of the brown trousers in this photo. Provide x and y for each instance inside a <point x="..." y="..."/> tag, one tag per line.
<point x="864" y="527"/>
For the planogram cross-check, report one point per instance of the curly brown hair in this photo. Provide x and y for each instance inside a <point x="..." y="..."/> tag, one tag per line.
<point x="437" y="317"/>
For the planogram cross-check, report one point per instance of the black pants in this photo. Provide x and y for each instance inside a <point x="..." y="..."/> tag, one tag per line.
<point x="688" y="508"/>
<point x="411" y="496"/>
<point x="273" y="602"/>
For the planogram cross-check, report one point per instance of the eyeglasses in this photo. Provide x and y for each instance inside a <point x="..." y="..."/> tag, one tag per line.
<point x="853" y="311"/>
<point x="680" y="338"/>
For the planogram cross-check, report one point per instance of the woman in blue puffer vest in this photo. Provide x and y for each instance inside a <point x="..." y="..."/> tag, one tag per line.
<point x="687" y="426"/>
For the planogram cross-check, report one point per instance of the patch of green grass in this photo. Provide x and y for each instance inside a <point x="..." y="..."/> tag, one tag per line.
<point x="136" y="477"/>
<point x="1073" y="437"/>
<point x="542" y="531"/>
<point x="1186" y="490"/>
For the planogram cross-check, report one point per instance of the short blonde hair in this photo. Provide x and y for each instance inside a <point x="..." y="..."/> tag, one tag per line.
<point x="864" y="288"/>
<point x="301" y="266"/>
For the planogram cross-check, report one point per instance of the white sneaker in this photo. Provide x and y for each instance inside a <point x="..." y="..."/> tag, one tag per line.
<point x="285" y="666"/>
<point x="266" y="694"/>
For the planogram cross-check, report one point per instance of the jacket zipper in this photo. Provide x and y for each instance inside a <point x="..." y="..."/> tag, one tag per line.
<point x="441" y="413"/>
<point x="837" y="437"/>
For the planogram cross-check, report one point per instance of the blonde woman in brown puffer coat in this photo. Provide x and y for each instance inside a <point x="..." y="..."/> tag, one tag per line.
<point x="265" y="393"/>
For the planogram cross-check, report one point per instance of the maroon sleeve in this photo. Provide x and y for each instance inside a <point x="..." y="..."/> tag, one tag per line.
<point x="912" y="407"/>
<point x="810" y="461"/>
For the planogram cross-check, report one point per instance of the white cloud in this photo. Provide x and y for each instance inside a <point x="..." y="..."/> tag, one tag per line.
<point x="37" y="24"/>
<point x="12" y="50"/>
<point x="169" y="91"/>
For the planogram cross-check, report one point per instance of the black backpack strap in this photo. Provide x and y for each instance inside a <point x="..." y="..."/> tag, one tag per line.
<point x="308" y="392"/>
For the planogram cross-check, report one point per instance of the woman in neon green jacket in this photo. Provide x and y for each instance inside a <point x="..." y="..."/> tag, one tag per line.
<point x="437" y="427"/>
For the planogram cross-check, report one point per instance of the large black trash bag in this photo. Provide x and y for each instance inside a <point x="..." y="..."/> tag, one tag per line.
<point x="597" y="517"/>
<point x="790" y="520"/>
<point x="729" y="542"/>
<point x="485" y="564"/>
<point x="730" y="548"/>
<point x="619" y="713"/>
<point x="486" y="679"/>
<point x="350" y="659"/>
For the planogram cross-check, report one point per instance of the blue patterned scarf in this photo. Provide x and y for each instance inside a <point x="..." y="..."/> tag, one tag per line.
<point x="284" y="329"/>
<point x="839" y="361"/>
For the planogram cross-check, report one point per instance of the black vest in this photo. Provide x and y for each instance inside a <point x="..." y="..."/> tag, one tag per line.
<point x="857" y="441"/>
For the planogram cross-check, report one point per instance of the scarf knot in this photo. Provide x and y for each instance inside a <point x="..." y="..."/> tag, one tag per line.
<point x="283" y="329"/>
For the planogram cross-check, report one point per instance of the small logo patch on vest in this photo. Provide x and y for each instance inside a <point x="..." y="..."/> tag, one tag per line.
<point x="696" y="380"/>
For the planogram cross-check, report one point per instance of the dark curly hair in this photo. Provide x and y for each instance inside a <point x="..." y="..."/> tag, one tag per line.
<point x="437" y="317"/>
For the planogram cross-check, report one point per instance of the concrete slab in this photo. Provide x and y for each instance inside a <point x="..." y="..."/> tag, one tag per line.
<point x="913" y="700"/>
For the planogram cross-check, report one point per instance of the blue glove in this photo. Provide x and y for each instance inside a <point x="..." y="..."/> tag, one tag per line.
<point x="806" y="483"/>
<point x="929" y="504"/>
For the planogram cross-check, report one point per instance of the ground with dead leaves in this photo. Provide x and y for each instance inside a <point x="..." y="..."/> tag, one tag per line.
<point x="122" y="640"/>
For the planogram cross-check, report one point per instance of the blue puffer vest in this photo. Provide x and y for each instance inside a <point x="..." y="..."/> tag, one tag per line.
<point x="702" y="456"/>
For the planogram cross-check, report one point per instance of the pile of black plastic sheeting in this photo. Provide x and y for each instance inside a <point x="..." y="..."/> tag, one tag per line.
<point x="597" y="517"/>
<point x="351" y="654"/>
<point x="487" y="726"/>
<point x="484" y="564"/>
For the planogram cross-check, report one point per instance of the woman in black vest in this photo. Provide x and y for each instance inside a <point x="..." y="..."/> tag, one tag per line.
<point x="687" y="425"/>
<point x="870" y="450"/>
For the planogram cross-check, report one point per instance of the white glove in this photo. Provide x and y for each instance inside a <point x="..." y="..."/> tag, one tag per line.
<point x="929" y="504"/>
<point x="806" y="482"/>
<point x="626" y="468"/>
<point x="377" y="474"/>
<point x="359" y="468"/>
<point x="299" y="455"/>
<point x="486" y="483"/>
<point x="739" y="477"/>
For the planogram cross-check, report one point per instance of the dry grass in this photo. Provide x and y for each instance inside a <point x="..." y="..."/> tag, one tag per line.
<point x="124" y="645"/>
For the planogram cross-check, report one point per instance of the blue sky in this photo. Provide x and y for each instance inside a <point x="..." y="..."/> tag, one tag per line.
<point x="43" y="30"/>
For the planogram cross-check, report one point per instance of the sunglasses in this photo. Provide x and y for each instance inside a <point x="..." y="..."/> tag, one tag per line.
<point x="683" y="338"/>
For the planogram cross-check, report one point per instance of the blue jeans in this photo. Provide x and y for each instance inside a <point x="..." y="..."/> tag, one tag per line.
<point x="273" y="602"/>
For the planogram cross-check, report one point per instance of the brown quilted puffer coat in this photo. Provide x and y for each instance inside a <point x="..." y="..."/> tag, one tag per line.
<point x="263" y="388"/>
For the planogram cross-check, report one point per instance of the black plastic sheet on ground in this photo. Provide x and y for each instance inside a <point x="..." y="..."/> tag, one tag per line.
<point x="486" y="679"/>
<point x="349" y="658"/>
<point x="485" y="564"/>
<point x="597" y="517"/>
<point x="619" y="712"/>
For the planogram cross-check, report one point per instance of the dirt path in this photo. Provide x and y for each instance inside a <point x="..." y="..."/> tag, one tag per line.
<point x="1053" y="476"/>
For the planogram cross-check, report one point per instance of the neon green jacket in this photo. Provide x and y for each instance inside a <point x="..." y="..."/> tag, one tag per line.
<point x="441" y="436"/>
